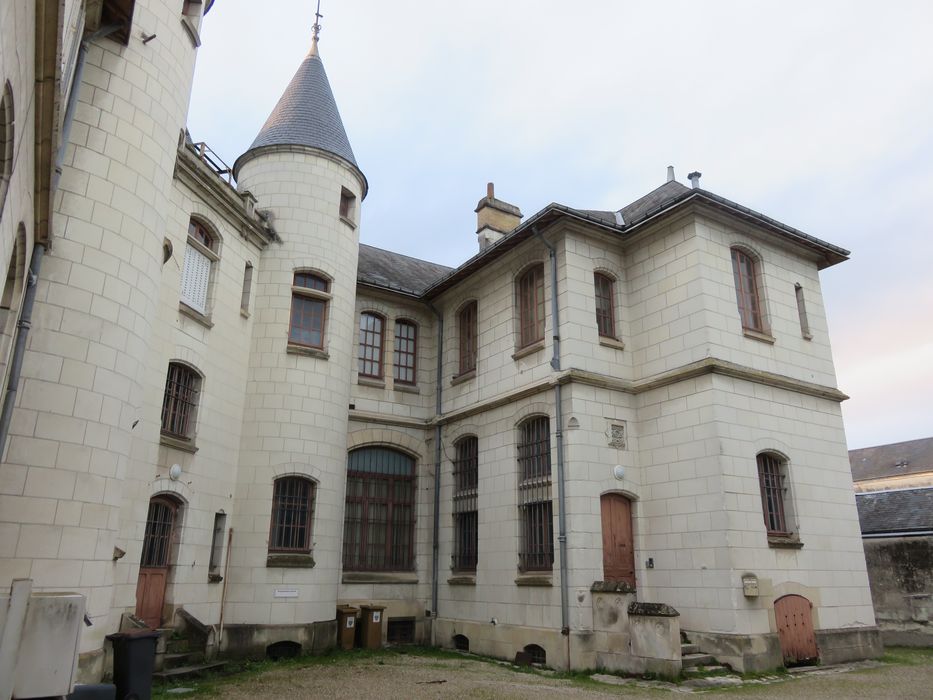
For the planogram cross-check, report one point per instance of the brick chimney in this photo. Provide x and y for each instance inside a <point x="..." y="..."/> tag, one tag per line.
<point x="494" y="218"/>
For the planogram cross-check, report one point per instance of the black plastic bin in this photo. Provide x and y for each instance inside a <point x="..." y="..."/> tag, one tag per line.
<point x="133" y="661"/>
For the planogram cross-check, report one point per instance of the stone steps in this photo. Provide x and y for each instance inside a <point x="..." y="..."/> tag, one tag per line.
<point x="188" y="671"/>
<point x="690" y="660"/>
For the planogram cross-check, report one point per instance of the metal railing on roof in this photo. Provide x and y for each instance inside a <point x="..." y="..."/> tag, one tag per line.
<point x="210" y="158"/>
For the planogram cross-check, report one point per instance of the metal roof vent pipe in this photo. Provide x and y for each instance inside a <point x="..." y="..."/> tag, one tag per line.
<point x="694" y="178"/>
<point x="670" y="173"/>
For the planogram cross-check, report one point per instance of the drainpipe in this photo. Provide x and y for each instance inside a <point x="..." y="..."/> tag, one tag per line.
<point x="38" y="251"/>
<point x="559" y="419"/>
<point x="435" y="553"/>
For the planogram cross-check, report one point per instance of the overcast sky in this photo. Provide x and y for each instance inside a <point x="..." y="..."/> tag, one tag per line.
<point x="819" y="114"/>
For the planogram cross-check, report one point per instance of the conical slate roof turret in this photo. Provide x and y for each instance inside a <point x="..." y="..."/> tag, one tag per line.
<point x="306" y="115"/>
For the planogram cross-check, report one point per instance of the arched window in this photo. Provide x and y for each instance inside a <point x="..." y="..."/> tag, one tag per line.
<point x="466" y="520"/>
<point x="466" y="325"/>
<point x="530" y="300"/>
<point x="180" y="401"/>
<point x="371" y="345"/>
<point x="7" y="138"/>
<point x="310" y="297"/>
<point x="461" y="642"/>
<point x="406" y="352"/>
<point x="292" y="514"/>
<point x="605" y="305"/>
<point x="536" y="654"/>
<point x="748" y="290"/>
<point x="379" y="520"/>
<point x="534" y="495"/>
<point x="772" y="473"/>
<point x="200" y="256"/>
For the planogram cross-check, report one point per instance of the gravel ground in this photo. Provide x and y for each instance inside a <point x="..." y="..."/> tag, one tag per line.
<point x="414" y="676"/>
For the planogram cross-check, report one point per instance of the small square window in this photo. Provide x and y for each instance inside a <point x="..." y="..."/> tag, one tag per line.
<point x="347" y="201"/>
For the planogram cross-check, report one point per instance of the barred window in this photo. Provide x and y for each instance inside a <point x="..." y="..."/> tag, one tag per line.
<point x="605" y="308"/>
<point x="466" y="323"/>
<point x="531" y="306"/>
<point x="310" y="296"/>
<point x="406" y="352"/>
<point x="771" y="474"/>
<point x="292" y="514"/>
<point x="747" y="290"/>
<point x="379" y="520"/>
<point x="157" y="539"/>
<point x="180" y="401"/>
<point x="466" y="521"/>
<point x="370" y="360"/>
<point x="534" y="495"/>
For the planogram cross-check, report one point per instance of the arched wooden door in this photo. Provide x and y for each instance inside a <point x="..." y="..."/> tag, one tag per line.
<point x="618" y="538"/>
<point x="794" y="617"/>
<point x="155" y="561"/>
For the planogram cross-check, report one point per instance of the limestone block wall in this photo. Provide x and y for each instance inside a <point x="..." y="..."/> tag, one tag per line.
<point x="296" y="406"/>
<point x="70" y="451"/>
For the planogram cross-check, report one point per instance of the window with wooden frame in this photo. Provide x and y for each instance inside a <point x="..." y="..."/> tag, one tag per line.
<point x="371" y="345"/>
<point x="772" y="473"/>
<point x="379" y="519"/>
<point x="747" y="273"/>
<point x="467" y="327"/>
<point x="310" y="297"/>
<point x="180" y="401"/>
<point x="201" y="252"/>
<point x="536" y="551"/>
<point x="605" y="304"/>
<point x="7" y="139"/>
<point x="531" y="306"/>
<point x="292" y="514"/>
<point x="405" y="363"/>
<point x="466" y="520"/>
<point x="347" y="202"/>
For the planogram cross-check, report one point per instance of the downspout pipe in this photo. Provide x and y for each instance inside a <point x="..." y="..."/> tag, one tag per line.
<point x="561" y="478"/>
<point x="435" y="546"/>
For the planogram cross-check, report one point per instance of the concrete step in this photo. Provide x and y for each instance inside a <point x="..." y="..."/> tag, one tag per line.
<point x="697" y="660"/>
<point x="188" y="671"/>
<point x="187" y="658"/>
<point x="716" y="668"/>
<point x="689" y="649"/>
<point x="177" y="645"/>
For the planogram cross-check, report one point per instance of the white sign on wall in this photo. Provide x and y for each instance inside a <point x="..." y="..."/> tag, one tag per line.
<point x="285" y="593"/>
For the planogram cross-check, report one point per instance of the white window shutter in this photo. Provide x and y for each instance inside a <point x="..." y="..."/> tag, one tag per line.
<point x="194" y="279"/>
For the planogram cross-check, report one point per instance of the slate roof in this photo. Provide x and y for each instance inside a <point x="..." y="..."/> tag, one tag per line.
<point x="383" y="268"/>
<point x="897" y="459"/>
<point x="654" y="200"/>
<point x="306" y="115"/>
<point x="907" y="510"/>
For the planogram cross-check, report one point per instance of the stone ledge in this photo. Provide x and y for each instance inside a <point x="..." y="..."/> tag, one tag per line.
<point x="371" y="381"/>
<point x="178" y="443"/>
<point x="379" y="577"/>
<point x="461" y="378"/>
<point x="194" y="315"/>
<point x="608" y="342"/>
<point x="757" y="335"/>
<point x="406" y="388"/>
<point x="307" y="351"/>
<point x="462" y="580"/>
<point x="287" y="560"/>
<point x="652" y="610"/>
<point x="543" y="579"/>
<point x="612" y="587"/>
<point x="784" y="542"/>
<point x="528" y="350"/>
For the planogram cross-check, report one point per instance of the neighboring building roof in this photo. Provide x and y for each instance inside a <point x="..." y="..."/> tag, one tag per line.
<point x="897" y="459"/>
<point x="382" y="268"/>
<point x="903" y="511"/>
<point x="654" y="200"/>
<point x="306" y="115"/>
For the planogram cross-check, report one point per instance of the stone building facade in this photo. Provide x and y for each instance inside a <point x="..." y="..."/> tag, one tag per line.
<point x="229" y="406"/>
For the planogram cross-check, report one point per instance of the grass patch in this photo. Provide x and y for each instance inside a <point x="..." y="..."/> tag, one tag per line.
<point x="908" y="656"/>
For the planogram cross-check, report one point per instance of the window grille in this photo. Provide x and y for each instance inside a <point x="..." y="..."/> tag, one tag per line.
<point x="292" y="513"/>
<point x="531" y="306"/>
<point x="468" y="338"/>
<point x="466" y="520"/>
<point x="180" y="400"/>
<point x="771" y="479"/>
<point x="534" y="495"/>
<point x="746" y="273"/>
<point x="370" y="360"/>
<point x="605" y="316"/>
<point x="157" y="541"/>
<point x="406" y="352"/>
<point x="309" y="311"/>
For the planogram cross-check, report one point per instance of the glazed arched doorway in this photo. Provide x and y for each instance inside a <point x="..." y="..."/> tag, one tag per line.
<point x="794" y="617"/>
<point x="618" y="538"/>
<point x="156" y="559"/>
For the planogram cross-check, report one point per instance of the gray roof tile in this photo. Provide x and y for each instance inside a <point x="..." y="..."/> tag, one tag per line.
<point x="401" y="273"/>
<point x="896" y="459"/>
<point x="895" y="511"/>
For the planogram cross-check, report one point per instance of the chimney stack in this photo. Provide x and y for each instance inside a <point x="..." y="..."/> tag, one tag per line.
<point x="494" y="218"/>
<point x="694" y="178"/>
<point x="670" y="173"/>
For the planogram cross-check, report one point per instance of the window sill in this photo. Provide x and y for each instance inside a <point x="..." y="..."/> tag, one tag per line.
<point x="294" y="349"/>
<point x="462" y="580"/>
<point x="349" y="222"/>
<point x="379" y="577"/>
<point x="406" y="388"/>
<point x="757" y="335"/>
<point x="784" y="542"/>
<point x="461" y="378"/>
<point x="536" y="578"/>
<point x="289" y="560"/>
<point x="192" y="31"/>
<point x="611" y="342"/>
<point x="528" y="350"/>
<point x="203" y="319"/>
<point x="371" y="381"/>
<point x="178" y="443"/>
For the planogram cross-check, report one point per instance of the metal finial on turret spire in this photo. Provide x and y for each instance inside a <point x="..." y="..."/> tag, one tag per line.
<point x="316" y="30"/>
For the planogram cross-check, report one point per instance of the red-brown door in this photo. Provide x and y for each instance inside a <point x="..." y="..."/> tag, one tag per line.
<point x="794" y="617"/>
<point x="618" y="542"/>
<point x="154" y="564"/>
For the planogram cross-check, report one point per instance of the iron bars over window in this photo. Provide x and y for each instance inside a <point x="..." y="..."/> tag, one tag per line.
<point x="292" y="514"/>
<point x="180" y="401"/>
<point x="466" y="521"/>
<point x="534" y="495"/>
<point x="771" y="479"/>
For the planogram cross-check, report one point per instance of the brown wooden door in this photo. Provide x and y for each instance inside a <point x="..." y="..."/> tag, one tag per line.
<point x="154" y="564"/>
<point x="618" y="541"/>
<point x="794" y="617"/>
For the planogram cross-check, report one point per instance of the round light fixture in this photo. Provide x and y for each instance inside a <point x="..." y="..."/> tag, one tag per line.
<point x="618" y="471"/>
<point x="175" y="472"/>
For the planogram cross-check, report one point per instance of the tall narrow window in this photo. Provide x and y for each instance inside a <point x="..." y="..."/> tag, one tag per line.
<point x="406" y="352"/>
<point x="605" y="308"/>
<point x="531" y="306"/>
<point x="310" y="295"/>
<point x="534" y="495"/>
<point x="466" y="323"/>
<point x="379" y="520"/>
<point x="292" y="513"/>
<point x="771" y="475"/>
<point x="180" y="401"/>
<point x="746" y="272"/>
<point x="200" y="255"/>
<point x="466" y="521"/>
<point x="247" y="288"/>
<point x="370" y="362"/>
<point x="802" y="312"/>
<point x="7" y="139"/>
<point x="217" y="543"/>
<point x="346" y="204"/>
